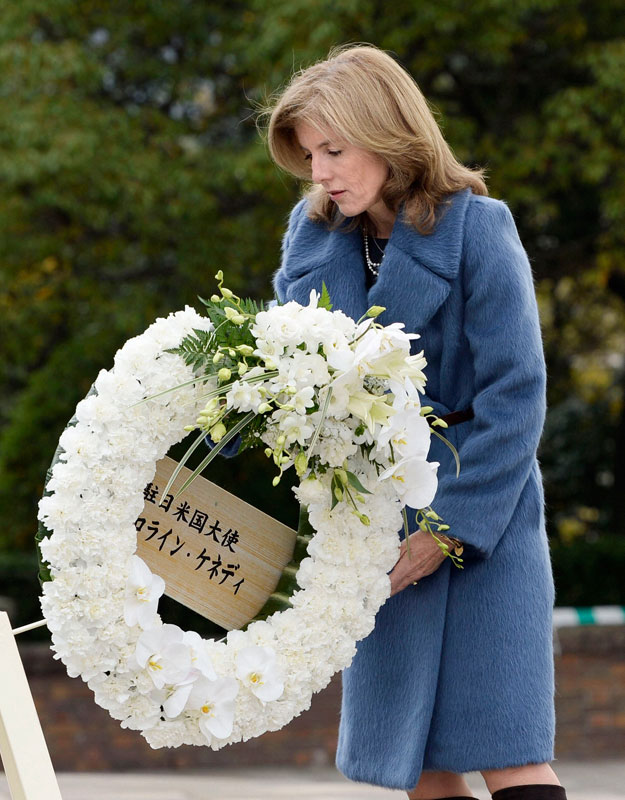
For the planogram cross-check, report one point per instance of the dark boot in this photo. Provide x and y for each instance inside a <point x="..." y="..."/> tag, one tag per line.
<point x="533" y="791"/>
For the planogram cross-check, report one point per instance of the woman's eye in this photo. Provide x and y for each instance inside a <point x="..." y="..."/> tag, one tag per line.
<point x="308" y="156"/>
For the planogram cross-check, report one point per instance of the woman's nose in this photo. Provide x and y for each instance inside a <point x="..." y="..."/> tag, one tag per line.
<point x="320" y="170"/>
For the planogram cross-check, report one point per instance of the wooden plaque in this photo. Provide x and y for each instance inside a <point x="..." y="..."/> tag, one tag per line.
<point x="217" y="554"/>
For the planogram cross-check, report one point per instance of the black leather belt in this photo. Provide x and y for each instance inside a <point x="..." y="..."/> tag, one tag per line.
<point x="455" y="417"/>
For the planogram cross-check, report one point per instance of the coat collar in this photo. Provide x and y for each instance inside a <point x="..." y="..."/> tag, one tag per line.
<point x="415" y="276"/>
<point x="441" y="250"/>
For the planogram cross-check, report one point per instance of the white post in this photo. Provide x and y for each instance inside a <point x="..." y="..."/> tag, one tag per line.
<point x="25" y="757"/>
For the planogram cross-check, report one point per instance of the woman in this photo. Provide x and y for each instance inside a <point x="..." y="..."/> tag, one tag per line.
<point x="458" y="673"/>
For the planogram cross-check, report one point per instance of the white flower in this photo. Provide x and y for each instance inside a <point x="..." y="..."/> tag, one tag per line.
<point x="200" y="659"/>
<point x="414" y="480"/>
<point x="176" y="696"/>
<point x="339" y="400"/>
<point x="244" y="396"/>
<point x="143" y="591"/>
<point x="408" y="433"/>
<point x="310" y="491"/>
<point x="163" y="654"/>
<point x="215" y="702"/>
<point x="299" y="371"/>
<point x="258" y="671"/>
<point x="370" y="408"/>
<point x="295" y="427"/>
<point x="303" y="399"/>
<point x="336" y="443"/>
<point x="278" y="328"/>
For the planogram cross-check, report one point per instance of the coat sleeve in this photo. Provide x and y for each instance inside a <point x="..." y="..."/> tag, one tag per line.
<point x="280" y="279"/>
<point x="502" y="328"/>
<point x="230" y="450"/>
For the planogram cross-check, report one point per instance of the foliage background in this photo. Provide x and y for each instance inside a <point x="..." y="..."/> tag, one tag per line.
<point x="131" y="170"/>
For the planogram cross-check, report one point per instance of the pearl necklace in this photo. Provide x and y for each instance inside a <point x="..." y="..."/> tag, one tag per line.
<point x="374" y="267"/>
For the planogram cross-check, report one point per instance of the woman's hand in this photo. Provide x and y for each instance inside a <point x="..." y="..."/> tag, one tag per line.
<point x="425" y="558"/>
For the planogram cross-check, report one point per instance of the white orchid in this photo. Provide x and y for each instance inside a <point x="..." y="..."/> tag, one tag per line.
<point x="162" y="653"/>
<point x="406" y="393"/>
<point x="200" y="659"/>
<point x="244" y="396"/>
<point x="215" y="702"/>
<point x="143" y="591"/>
<point x="414" y="480"/>
<point x="294" y="427"/>
<point x="174" y="696"/>
<point x="303" y="399"/>
<point x="257" y="669"/>
<point x="407" y="432"/>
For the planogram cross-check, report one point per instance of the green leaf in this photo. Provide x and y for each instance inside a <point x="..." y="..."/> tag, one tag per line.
<point x="324" y="300"/>
<point x="451" y="447"/>
<point x="215" y="451"/>
<point x="200" y="438"/>
<point x="334" y="497"/>
<point x="353" y="481"/>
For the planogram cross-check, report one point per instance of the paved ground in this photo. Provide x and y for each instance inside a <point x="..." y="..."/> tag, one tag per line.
<point x="583" y="780"/>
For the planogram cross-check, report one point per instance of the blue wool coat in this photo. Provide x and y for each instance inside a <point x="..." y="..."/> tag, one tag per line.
<point x="458" y="673"/>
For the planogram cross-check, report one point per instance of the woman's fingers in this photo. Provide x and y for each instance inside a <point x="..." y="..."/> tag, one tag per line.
<point x="424" y="559"/>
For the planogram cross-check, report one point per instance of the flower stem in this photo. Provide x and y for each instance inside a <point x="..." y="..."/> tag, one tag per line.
<point x="404" y="514"/>
<point x="216" y="450"/>
<point x="324" y="413"/>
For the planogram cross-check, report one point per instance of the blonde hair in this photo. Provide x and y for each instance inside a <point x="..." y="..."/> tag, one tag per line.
<point x="366" y="98"/>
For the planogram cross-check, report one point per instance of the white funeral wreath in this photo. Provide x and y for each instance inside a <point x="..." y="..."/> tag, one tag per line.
<point x="101" y="605"/>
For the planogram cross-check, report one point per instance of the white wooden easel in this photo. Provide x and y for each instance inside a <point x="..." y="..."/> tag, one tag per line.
<point x="25" y="756"/>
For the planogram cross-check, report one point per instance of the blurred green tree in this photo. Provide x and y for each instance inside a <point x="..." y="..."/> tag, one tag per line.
<point x="132" y="170"/>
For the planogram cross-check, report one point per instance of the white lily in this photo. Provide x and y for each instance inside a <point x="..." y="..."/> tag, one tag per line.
<point x="143" y="591"/>
<point x="370" y="408"/>
<point x="400" y="365"/>
<point x="215" y="702"/>
<point x="257" y="669"/>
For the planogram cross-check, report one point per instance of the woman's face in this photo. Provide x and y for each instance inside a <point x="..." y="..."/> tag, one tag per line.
<point x="351" y="176"/>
